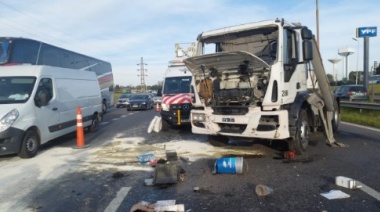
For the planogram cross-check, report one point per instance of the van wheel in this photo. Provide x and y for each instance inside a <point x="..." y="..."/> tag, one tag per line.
<point x="29" y="145"/>
<point x="165" y="125"/>
<point x="301" y="140"/>
<point x="94" y="125"/>
<point x="104" y="108"/>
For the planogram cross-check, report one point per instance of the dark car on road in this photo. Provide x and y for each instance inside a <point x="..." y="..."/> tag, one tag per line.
<point x="140" y="102"/>
<point x="351" y="93"/>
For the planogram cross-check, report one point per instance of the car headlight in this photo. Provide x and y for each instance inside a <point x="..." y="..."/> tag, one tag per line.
<point x="8" y="120"/>
<point x="144" y="103"/>
<point x="165" y="107"/>
<point x="199" y="117"/>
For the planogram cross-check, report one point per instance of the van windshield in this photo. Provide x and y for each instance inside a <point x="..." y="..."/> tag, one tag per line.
<point x="175" y="85"/>
<point x="3" y="50"/>
<point x="16" y="89"/>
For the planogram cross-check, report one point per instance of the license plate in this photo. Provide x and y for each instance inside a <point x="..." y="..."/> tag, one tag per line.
<point x="185" y="120"/>
<point x="135" y="106"/>
<point x="228" y="119"/>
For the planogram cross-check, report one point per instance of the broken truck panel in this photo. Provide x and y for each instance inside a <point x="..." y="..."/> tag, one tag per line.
<point x="261" y="80"/>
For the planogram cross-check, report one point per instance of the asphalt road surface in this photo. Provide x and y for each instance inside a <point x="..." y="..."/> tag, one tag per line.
<point x="107" y="176"/>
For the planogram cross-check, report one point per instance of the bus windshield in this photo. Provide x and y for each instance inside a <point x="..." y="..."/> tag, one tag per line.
<point x="4" y="44"/>
<point x="175" y="85"/>
<point x="16" y="89"/>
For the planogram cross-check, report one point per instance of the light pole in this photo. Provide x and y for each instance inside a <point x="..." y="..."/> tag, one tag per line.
<point x="357" y="59"/>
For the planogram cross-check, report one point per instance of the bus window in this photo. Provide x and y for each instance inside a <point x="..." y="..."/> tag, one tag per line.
<point x="24" y="51"/>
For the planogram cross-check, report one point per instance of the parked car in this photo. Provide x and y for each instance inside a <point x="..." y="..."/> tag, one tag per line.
<point x="351" y="93"/>
<point x="157" y="99"/>
<point x="140" y="102"/>
<point x="122" y="101"/>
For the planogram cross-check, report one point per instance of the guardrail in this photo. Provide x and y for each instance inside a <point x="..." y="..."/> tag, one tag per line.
<point x="360" y="105"/>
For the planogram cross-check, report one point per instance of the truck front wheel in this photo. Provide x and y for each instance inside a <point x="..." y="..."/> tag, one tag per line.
<point x="301" y="140"/>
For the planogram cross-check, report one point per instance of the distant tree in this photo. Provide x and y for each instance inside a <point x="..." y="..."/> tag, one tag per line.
<point x="377" y="70"/>
<point x="117" y="89"/>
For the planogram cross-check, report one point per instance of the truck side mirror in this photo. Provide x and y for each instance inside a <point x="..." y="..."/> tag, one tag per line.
<point x="307" y="50"/>
<point x="306" y="34"/>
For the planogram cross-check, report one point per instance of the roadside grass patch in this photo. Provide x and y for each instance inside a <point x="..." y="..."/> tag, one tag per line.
<point x="364" y="117"/>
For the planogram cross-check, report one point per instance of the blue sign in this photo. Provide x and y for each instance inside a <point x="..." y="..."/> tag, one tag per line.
<point x="366" y="32"/>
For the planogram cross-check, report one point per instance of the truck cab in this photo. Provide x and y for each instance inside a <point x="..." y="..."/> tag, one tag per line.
<point x="261" y="80"/>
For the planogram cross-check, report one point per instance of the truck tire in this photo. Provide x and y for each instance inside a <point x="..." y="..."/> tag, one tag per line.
<point x="301" y="140"/>
<point x="336" y="117"/>
<point x="29" y="145"/>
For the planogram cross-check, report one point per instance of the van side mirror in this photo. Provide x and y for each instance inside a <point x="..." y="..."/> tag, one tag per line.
<point x="37" y="102"/>
<point x="307" y="50"/>
<point x="193" y="99"/>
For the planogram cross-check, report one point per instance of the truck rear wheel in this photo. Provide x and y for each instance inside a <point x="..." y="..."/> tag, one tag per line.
<point x="336" y="117"/>
<point x="301" y="140"/>
<point x="29" y="145"/>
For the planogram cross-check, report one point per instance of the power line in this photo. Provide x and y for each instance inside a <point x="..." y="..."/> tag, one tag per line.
<point x="142" y="74"/>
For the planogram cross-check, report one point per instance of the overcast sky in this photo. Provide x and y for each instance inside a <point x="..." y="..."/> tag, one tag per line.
<point x="123" y="31"/>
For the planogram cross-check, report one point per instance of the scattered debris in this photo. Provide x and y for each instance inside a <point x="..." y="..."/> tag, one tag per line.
<point x="230" y="165"/>
<point x="117" y="175"/>
<point x="155" y="125"/>
<point x="335" y="194"/>
<point x="166" y="173"/>
<point x="143" y="206"/>
<point x="159" y="206"/>
<point x="145" y="158"/>
<point x="171" y="155"/>
<point x="346" y="182"/>
<point x="289" y="154"/>
<point x="186" y="160"/>
<point x="148" y="182"/>
<point x="263" y="190"/>
<point x="196" y="189"/>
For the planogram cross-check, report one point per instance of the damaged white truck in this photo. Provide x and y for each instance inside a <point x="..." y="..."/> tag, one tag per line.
<point x="262" y="80"/>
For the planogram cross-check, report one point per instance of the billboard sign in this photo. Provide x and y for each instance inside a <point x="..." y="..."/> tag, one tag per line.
<point x="366" y="32"/>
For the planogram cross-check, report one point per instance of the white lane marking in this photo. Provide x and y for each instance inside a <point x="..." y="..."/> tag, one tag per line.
<point x="123" y="116"/>
<point x="115" y="119"/>
<point x="370" y="191"/>
<point x="360" y="126"/>
<point x="115" y="203"/>
<point x="104" y="123"/>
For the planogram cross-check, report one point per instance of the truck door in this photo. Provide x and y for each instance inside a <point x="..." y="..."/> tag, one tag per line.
<point x="47" y="115"/>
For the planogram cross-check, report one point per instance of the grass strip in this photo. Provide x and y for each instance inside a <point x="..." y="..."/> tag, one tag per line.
<point x="363" y="117"/>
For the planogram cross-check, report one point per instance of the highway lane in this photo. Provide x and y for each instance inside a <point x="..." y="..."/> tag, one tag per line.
<point x="63" y="179"/>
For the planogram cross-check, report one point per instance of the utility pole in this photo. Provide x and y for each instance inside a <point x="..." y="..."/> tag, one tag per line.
<point x="142" y="75"/>
<point x="317" y="20"/>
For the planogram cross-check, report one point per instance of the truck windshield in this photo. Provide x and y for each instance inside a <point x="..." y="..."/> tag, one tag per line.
<point x="175" y="85"/>
<point x="16" y="89"/>
<point x="4" y="44"/>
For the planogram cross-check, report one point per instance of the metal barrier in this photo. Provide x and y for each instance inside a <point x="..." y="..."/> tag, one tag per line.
<point x="360" y="105"/>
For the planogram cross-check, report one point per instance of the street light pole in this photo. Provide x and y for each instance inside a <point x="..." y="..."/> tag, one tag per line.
<point x="357" y="59"/>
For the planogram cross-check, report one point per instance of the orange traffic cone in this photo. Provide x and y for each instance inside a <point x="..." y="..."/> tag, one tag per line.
<point x="80" y="132"/>
<point x="157" y="108"/>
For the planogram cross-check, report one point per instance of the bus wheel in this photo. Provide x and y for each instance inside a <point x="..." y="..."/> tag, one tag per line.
<point x="301" y="140"/>
<point x="29" y="145"/>
<point x="104" y="108"/>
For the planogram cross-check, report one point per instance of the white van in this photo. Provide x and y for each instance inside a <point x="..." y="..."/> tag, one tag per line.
<point x="39" y="103"/>
<point x="176" y="95"/>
